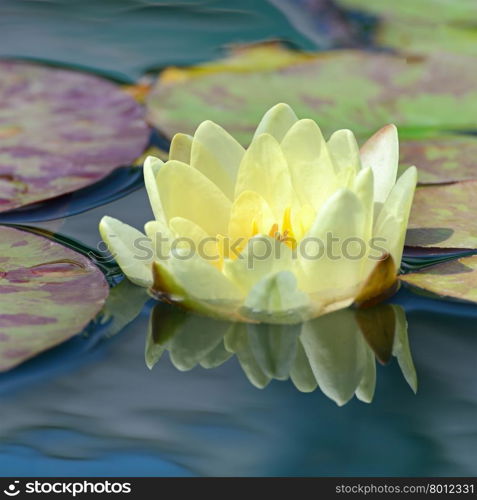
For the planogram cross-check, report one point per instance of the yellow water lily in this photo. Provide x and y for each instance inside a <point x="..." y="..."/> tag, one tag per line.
<point x="289" y="229"/>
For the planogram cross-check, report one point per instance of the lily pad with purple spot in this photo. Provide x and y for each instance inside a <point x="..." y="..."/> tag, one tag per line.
<point x="454" y="279"/>
<point x="48" y="293"/>
<point x="358" y="90"/>
<point x="61" y="130"/>
<point x="441" y="159"/>
<point x="444" y="217"/>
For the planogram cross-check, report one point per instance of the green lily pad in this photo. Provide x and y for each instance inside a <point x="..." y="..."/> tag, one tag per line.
<point x="441" y="10"/>
<point x="48" y="294"/>
<point x="455" y="279"/>
<point x="444" y="217"/>
<point x="407" y="25"/>
<point x="420" y="37"/>
<point x="441" y="159"/>
<point x="61" y="130"/>
<point x="358" y="90"/>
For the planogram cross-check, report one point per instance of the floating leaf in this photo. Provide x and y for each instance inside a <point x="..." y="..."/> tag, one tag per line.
<point x="119" y="183"/>
<point x="60" y="131"/>
<point x="341" y="89"/>
<point x="444" y="216"/>
<point x="407" y="25"/>
<point x="441" y="10"/>
<point x="456" y="279"/>
<point x="48" y="294"/>
<point x="441" y="159"/>
<point x="422" y="37"/>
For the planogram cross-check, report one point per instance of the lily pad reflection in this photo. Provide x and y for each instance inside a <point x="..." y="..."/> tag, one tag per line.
<point x="336" y="352"/>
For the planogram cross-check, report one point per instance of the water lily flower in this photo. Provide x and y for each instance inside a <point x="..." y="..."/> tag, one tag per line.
<point x="289" y="229"/>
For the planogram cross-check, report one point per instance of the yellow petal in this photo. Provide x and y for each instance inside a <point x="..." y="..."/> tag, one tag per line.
<point x="130" y="248"/>
<point x="363" y="187"/>
<point x="276" y="121"/>
<point x="263" y="256"/>
<point x="336" y="270"/>
<point x="381" y="153"/>
<point x="264" y="170"/>
<point x="185" y="192"/>
<point x="392" y="221"/>
<point x="217" y="155"/>
<point x="250" y="214"/>
<point x="161" y="238"/>
<point x="310" y="164"/>
<point x="180" y="149"/>
<point x="151" y="168"/>
<point x="202" y="281"/>
<point x="344" y="150"/>
<point x="194" y="237"/>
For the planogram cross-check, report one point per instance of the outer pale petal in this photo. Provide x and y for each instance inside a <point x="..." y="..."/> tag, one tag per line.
<point x="131" y="249"/>
<point x="381" y="153"/>
<point x="264" y="170"/>
<point x="262" y="257"/>
<point x="344" y="150"/>
<point x="336" y="270"/>
<point x="217" y="155"/>
<point x="392" y="220"/>
<point x="363" y="187"/>
<point x="181" y="146"/>
<point x="276" y="299"/>
<point x="310" y="164"/>
<point x="202" y="281"/>
<point x="276" y="121"/>
<point x="196" y="238"/>
<point x="152" y="165"/>
<point x="187" y="193"/>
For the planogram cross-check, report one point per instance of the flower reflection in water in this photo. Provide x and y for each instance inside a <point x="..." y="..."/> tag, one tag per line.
<point x="336" y="352"/>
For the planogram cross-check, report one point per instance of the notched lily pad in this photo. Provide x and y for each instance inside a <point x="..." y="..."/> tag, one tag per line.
<point x="341" y="89"/>
<point x="48" y="293"/>
<point x="61" y="130"/>
<point x="444" y="217"/>
<point x="441" y="159"/>
<point x="455" y="279"/>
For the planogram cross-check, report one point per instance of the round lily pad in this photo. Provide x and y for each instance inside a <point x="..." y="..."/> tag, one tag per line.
<point x="441" y="159"/>
<point x="444" y="217"/>
<point x="455" y="279"/>
<point x="61" y="130"/>
<point x="48" y="293"/>
<point x="358" y="90"/>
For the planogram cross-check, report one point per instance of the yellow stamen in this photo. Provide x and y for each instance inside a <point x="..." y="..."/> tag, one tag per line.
<point x="273" y="233"/>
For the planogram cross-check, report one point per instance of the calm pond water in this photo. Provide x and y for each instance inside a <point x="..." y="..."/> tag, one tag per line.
<point x="92" y="407"/>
